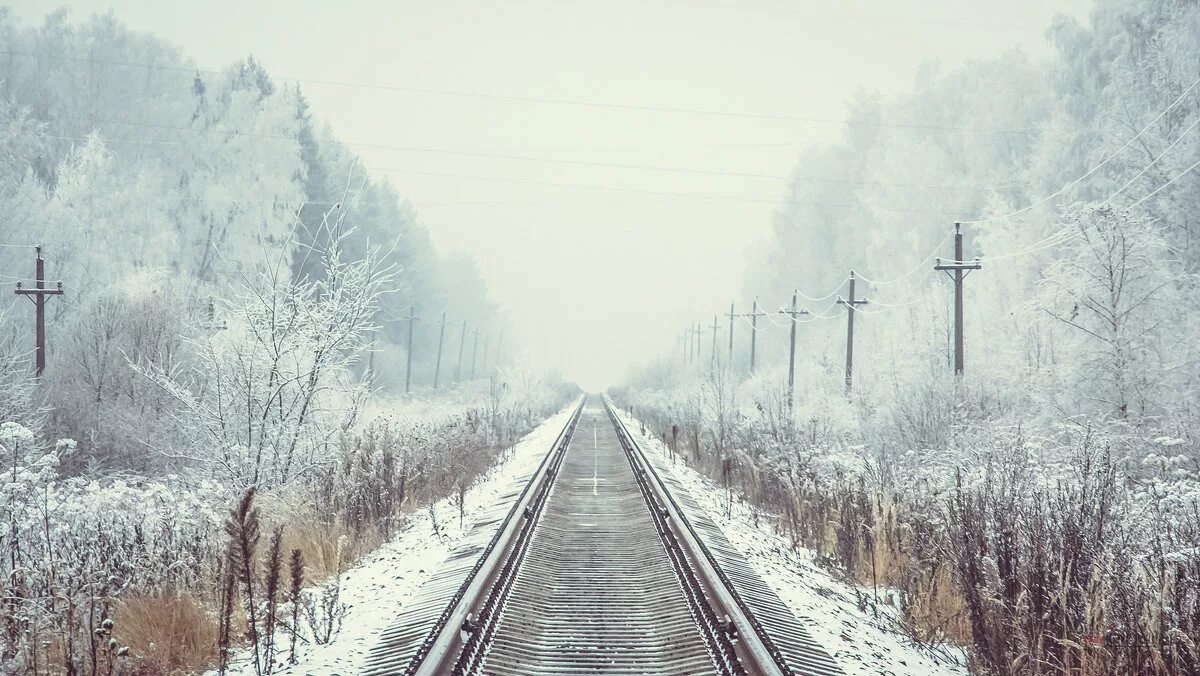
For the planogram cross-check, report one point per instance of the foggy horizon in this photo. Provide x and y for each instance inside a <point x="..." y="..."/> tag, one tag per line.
<point x="668" y="337"/>
<point x="521" y="132"/>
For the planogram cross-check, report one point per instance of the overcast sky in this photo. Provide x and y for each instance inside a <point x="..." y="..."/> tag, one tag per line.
<point x="593" y="278"/>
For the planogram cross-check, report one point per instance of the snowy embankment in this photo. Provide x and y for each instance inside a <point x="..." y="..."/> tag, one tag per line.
<point x="374" y="590"/>
<point x="863" y="643"/>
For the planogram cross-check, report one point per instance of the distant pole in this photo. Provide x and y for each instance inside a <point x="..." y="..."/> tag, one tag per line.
<point x="794" y="312"/>
<point x="699" y="334"/>
<point x="851" y="309"/>
<point x="753" y="333"/>
<point x="485" y="351"/>
<point x="412" y="319"/>
<point x="462" y="343"/>
<point x="960" y="269"/>
<point x="687" y="346"/>
<point x="474" y="353"/>
<point x="437" y="365"/>
<point x="712" y="355"/>
<point x="499" y="349"/>
<point x="731" y="316"/>
<point x="38" y="295"/>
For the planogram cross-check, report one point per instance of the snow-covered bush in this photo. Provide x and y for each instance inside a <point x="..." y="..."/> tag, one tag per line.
<point x="1048" y="546"/>
<point x="264" y="401"/>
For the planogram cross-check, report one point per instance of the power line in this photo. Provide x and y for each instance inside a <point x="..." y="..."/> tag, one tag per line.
<point x="1094" y="169"/>
<point x="718" y="197"/>
<point x="818" y="299"/>
<point x="919" y="267"/>
<point x="525" y="99"/>
<point x="527" y="158"/>
<point x="890" y="305"/>
<point x="1153" y="162"/>
<point x="1164" y="185"/>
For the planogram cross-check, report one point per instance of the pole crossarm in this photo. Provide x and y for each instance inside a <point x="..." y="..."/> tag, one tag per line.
<point x="39" y="295"/>
<point x="957" y="269"/>
<point x="22" y="291"/>
<point x="949" y="267"/>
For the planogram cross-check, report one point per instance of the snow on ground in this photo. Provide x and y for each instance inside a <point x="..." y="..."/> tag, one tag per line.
<point x="862" y="643"/>
<point x="376" y="588"/>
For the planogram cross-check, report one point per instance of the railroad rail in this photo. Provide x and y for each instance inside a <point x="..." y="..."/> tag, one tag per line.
<point x="597" y="568"/>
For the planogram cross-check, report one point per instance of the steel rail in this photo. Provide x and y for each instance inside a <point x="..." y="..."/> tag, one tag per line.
<point x="799" y="654"/>
<point x="716" y="632"/>
<point x="438" y="649"/>
<point x="756" y="653"/>
<point x="574" y="583"/>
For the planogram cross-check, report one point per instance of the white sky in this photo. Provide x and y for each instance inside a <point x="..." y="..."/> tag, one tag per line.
<point x="593" y="279"/>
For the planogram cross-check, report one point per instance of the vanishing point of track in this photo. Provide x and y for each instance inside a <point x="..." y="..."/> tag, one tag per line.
<point x="598" y="565"/>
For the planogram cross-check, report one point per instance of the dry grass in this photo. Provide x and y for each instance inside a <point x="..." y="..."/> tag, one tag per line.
<point x="934" y="608"/>
<point x="167" y="634"/>
<point x="327" y="544"/>
<point x="177" y="633"/>
<point x="936" y="611"/>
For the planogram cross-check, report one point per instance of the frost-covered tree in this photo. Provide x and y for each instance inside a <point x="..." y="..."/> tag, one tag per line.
<point x="263" y="401"/>
<point x="1116" y="293"/>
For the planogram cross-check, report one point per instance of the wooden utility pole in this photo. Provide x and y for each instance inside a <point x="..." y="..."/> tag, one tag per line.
<point x="712" y="355"/>
<point x="731" y="316"/>
<point x="754" y="315"/>
<point x="851" y="309"/>
<point x="474" y="352"/>
<point x="412" y="320"/>
<point x="686" y="336"/>
<point x="38" y="295"/>
<point x="437" y="365"/>
<point x="960" y="269"/>
<point x="485" y="351"/>
<point x="499" y="349"/>
<point x="794" y="312"/>
<point x="696" y="343"/>
<point x="462" y="343"/>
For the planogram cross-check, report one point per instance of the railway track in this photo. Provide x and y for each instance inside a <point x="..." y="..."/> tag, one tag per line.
<point x="599" y="564"/>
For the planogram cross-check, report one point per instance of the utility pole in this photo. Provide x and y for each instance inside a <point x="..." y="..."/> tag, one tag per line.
<point x="485" y="348"/>
<point x="38" y="295"/>
<point x="686" y="336"/>
<point x="499" y="348"/>
<point x="412" y="319"/>
<point x="754" y="315"/>
<point x="793" y="313"/>
<point x="731" y="316"/>
<point x="474" y="352"/>
<point x="437" y="365"/>
<point x="712" y="356"/>
<point x="462" y="342"/>
<point x="960" y="269"/>
<point x="696" y="343"/>
<point x="851" y="310"/>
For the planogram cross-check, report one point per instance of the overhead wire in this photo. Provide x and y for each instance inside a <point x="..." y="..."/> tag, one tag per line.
<point x="1094" y="169"/>
<point x="818" y="299"/>
<point x="1164" y="185"/>
<point x="1153" y="161"/>
<point x="519" y="98"/>
<point x="923" y="265"/>
<point x="525" y="158"/>
<point x="716" y="197"/>
<point x="882" y="304"/>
